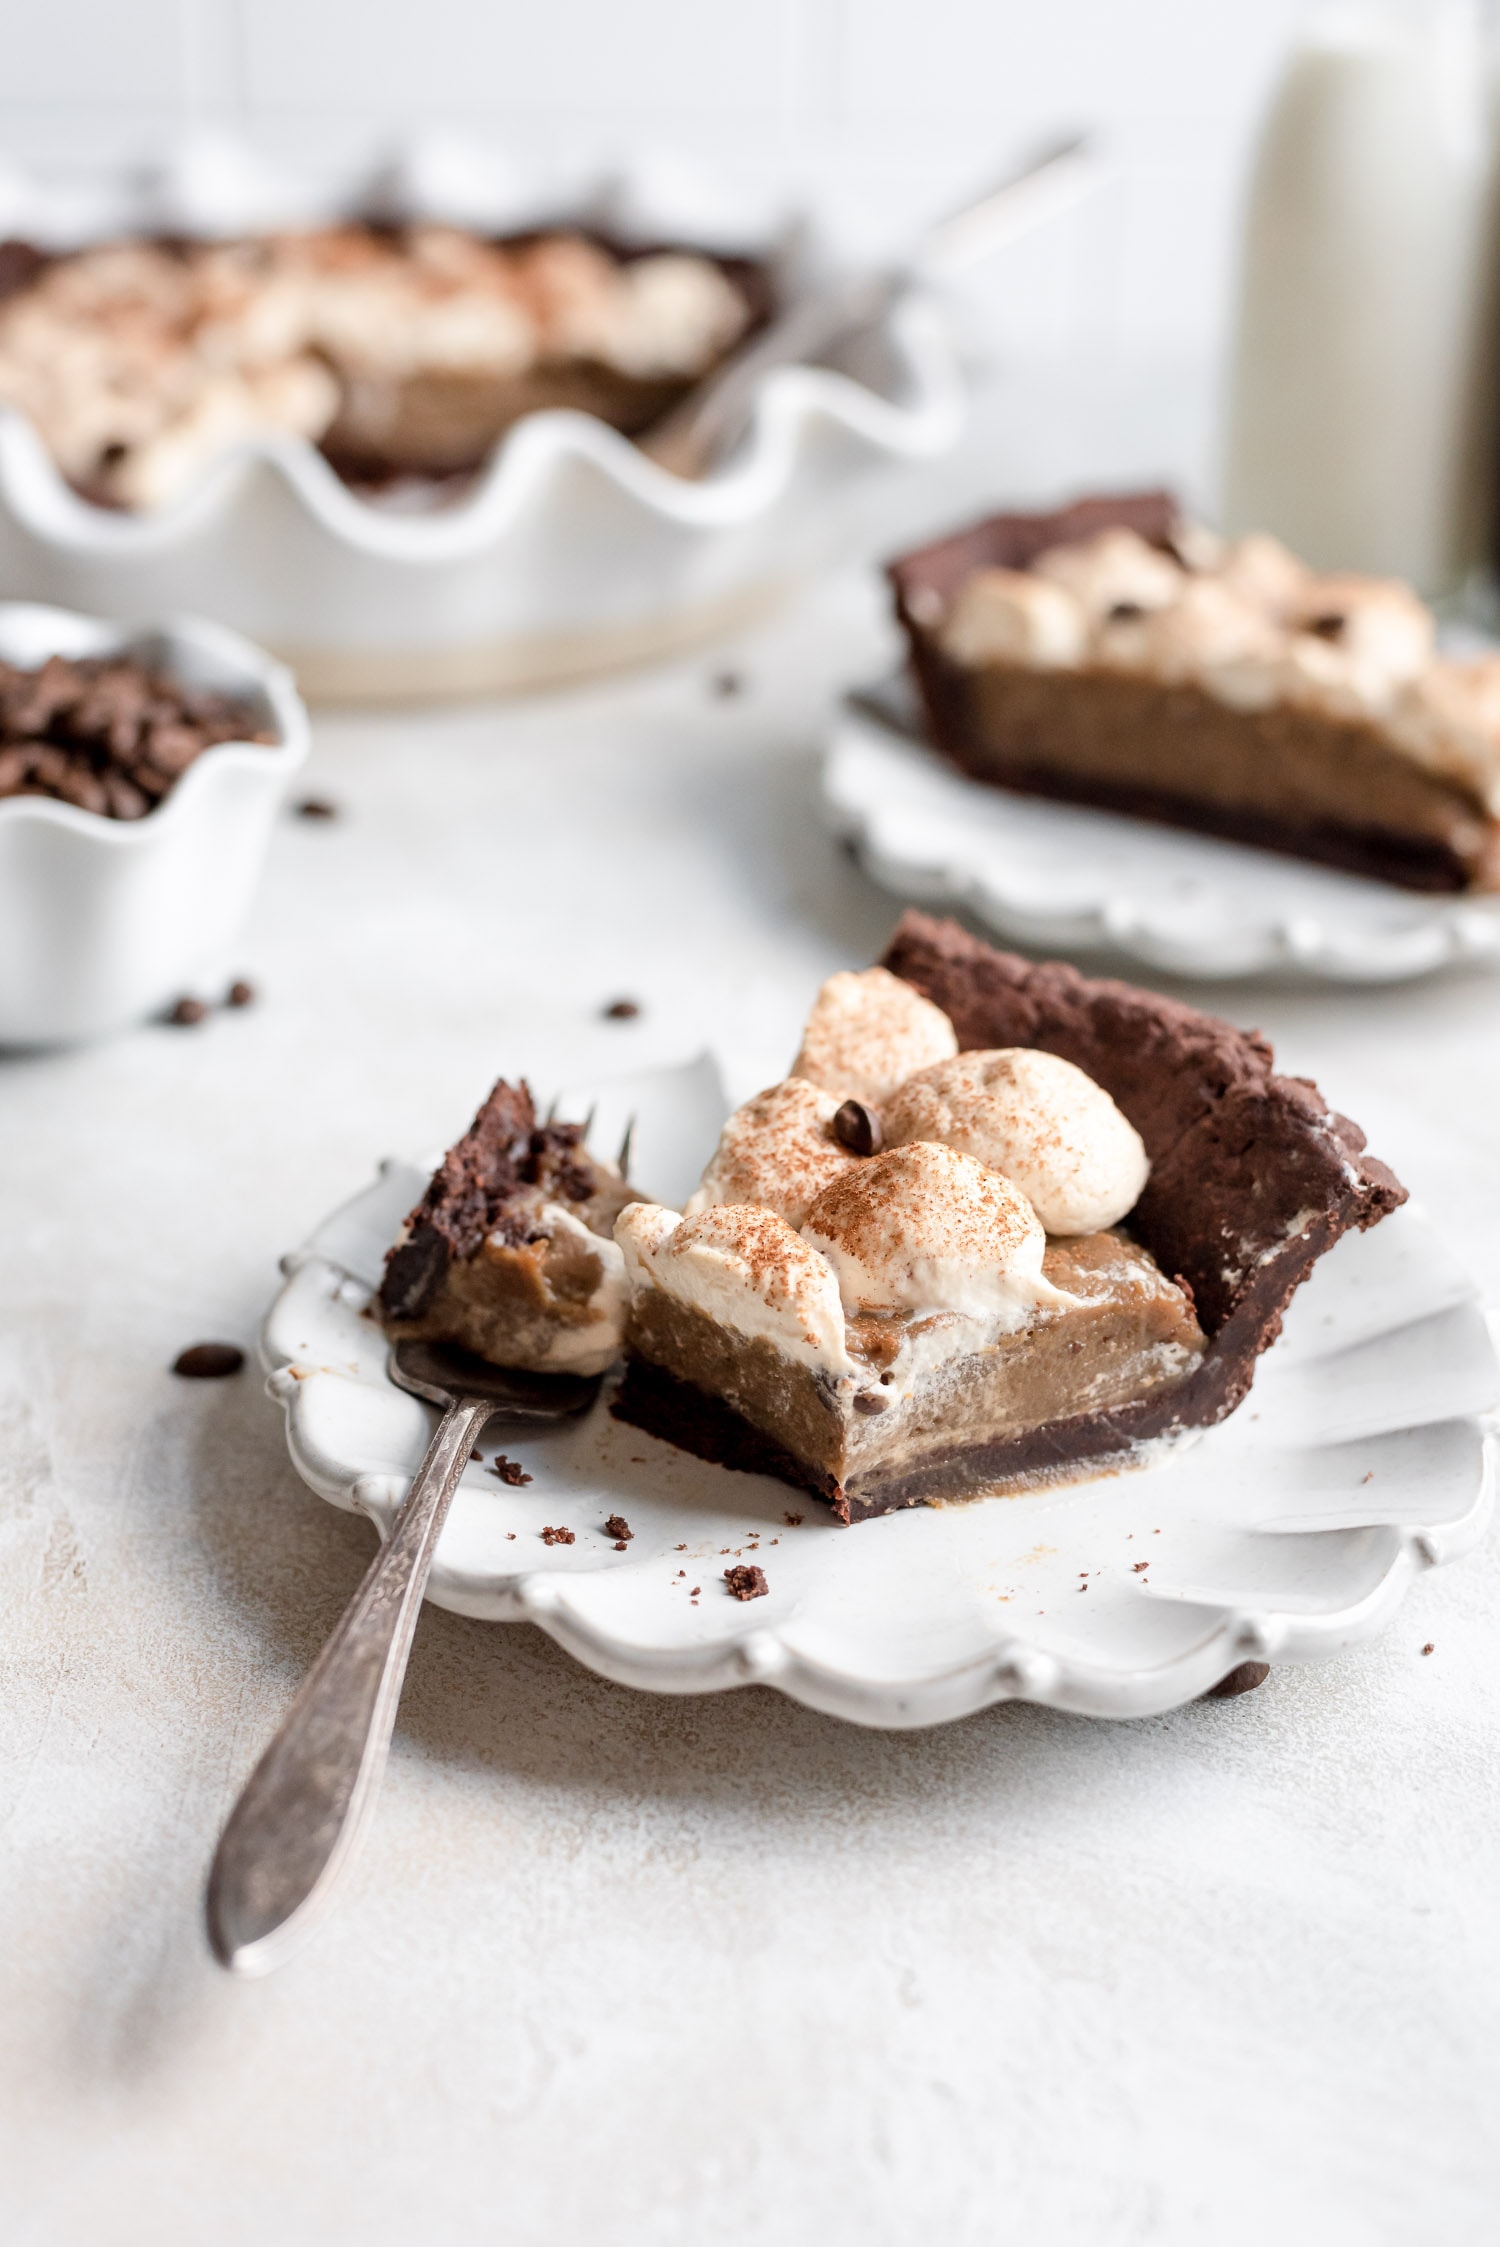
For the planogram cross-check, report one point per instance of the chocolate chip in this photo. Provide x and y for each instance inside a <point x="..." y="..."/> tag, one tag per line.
<point x="1330" y="627"/>
<point x="240" y="994"/>
<point x="317" y="807"/>
<point x="1125" y="612"/>
<point x="746" y="1582"/>
<point x="870" y="1400"/>
<point x="857" y="1127"/>
<point x="209" y="1361"/>
<point x="618" y="1526"/>
<point x="621" y="1010"/>
<point x="511" y="1471"/>
<point x="1243" y="1679"/>
<point x="556" y="1536"/>
<point x="187" y="1012"/>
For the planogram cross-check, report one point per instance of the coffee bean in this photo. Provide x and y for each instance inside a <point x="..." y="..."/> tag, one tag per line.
<point x="187" y="1012"/>
<point x="240" y="994"/>
<point x="317" y="807"/>
<point x="622" y="1010"/>
<point x="857" y="1127"/>
<point x="1243" y="1679"/>
<point x="209" y="1361"/>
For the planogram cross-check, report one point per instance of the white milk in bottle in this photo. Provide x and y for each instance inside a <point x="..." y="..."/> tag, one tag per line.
<point x="1357" y="413"/>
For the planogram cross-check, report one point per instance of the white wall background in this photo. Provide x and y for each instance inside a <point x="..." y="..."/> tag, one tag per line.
<point x="879" y="108"/>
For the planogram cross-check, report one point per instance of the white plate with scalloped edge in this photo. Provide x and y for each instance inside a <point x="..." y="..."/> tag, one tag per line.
<point x="1361" y="1456"/>
<point x="1062" y="877"/>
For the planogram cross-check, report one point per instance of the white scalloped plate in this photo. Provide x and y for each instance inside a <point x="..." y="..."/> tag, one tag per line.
<point x="1059" y="877"/>
<point x="1290" y="1532"/>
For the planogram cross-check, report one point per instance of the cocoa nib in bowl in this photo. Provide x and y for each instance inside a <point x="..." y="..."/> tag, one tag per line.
<point x="110" y="734"/>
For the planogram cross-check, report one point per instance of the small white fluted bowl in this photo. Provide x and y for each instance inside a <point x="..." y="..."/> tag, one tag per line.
<point x="106" y="921"/>
<point x="571" y="554"/>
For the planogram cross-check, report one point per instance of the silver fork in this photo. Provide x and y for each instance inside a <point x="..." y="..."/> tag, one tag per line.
<point x="307" y="1804"/>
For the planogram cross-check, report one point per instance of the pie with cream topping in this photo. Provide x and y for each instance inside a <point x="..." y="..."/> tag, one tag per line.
<point x="1115" y="654"/>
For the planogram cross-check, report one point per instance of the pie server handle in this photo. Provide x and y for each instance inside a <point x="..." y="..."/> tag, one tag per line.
<point x="296" y="1827"/>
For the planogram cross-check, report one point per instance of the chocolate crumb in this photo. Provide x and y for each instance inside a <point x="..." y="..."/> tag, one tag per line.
<point x="682" y="1548"/>
<point x="621" y="1546"/>
<point x="240" y="994"/>
<point x="1136" y="1566"/>
<point x="856" y="1128"/>
<point x="476" y="1453"/>
<point x="746" y="1582"/>
<point x="186" y="1013"/>
<point x="793" y="1521"/>
<point x="209" y="1361"/>
<point x="510" y="1536"/>
<point x="693" y="1594"/>
<point x="622" y="1010"/>
<point x="1429" y="1648"/>
<point x="556" y="1536"/>
<point x="618" y="1526"/>
<point x="509" y="1470"/>
<point x="1244" y="1678"/>
<point x="317" y="807"/>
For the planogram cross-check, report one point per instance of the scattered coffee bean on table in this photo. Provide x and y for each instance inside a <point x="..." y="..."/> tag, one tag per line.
<point x="1243" y="1679"/>
<point x="240" y="994"/>
<point x="108" y="734"/>
<point x="209" y="1361"/>
<point x="622" y="1010"/>
<point x="187" y="1013"/>
<point x="317" y="807"/>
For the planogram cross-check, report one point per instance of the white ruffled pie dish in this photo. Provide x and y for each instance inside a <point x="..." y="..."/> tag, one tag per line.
<point x="106" y="921"/>
<point x="1068" y="878"/>
<point x="1290" y="1532"/>
<point x="571" y="553"/>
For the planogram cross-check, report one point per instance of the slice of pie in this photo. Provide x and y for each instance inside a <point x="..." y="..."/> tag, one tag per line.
<point x="1002" y="1226"/>
<point x="510" y="1251"/>
<point x="1114" y="654"/>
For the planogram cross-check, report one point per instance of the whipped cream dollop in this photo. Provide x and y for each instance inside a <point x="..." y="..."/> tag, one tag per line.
<point x="1012" y="616"/>
<point x="867" y="1033"/>
<point x="778" y="1151"/>
<point x="744" y="1268"/>
<point x="1116" y="569"/>
<point x="924" y="1228"/>
<point x="1053" y="1132"/>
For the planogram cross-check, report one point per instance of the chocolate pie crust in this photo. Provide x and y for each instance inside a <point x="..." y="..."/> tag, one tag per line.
<point x="1253" y="1178"/>
<point x="1334" y="790"/>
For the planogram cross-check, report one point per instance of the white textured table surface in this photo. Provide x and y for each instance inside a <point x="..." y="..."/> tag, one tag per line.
<point x="614" y="1968"/>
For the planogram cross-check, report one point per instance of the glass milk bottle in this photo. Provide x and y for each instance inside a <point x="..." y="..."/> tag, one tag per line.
<point x="1357" y="419"/>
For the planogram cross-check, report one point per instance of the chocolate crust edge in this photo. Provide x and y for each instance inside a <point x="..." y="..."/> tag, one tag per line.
<point x="1254" y="1177"/>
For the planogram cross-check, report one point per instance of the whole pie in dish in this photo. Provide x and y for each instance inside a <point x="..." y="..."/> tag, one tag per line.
<point x="400" y="351"/>
<point x="1115" y="654"/>
<point x="1002" y="1226"/>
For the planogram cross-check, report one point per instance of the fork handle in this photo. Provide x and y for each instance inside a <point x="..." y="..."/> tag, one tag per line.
<point x="305" y="1807"/>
